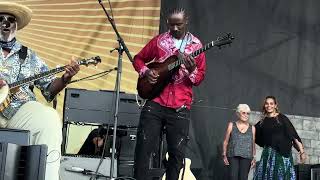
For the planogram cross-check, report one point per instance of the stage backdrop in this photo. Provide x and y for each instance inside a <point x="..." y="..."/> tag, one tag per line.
<point x="60" y="29"/>
<point x="275" y="52"/>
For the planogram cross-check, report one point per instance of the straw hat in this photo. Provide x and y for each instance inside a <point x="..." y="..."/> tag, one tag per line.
<point x="22" y="13"/>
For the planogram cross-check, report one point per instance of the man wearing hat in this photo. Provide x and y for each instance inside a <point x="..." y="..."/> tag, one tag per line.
<point x="18" y="62"/>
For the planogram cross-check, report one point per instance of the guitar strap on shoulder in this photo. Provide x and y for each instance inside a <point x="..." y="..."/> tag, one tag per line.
<point x="23" y="53"/>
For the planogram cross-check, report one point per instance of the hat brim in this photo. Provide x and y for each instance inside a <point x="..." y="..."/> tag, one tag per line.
<point x="22" y="13"/>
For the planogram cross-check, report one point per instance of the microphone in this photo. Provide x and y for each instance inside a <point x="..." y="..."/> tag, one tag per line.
<point x="78" y="170"/>
<point x="83" y="171"/>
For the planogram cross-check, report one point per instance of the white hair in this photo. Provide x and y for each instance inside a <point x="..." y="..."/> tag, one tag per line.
<point x="243" y="108"/>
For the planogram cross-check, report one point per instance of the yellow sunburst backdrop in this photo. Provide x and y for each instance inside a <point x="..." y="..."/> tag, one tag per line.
<point x="61" y="29"/>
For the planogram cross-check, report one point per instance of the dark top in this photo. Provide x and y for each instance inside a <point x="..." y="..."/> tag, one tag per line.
<point x="88" y="147"/>
<point x="240" y="144"/>
<point x="278" y="133"/>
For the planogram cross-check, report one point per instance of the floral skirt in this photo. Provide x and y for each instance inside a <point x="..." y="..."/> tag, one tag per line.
<point x="273" y="166"/>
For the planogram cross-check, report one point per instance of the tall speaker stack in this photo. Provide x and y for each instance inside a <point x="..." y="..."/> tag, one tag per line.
<point x="87" y="107"/>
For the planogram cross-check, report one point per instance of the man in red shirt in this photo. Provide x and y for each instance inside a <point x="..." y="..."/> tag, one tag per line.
<point x="171" y="108"/>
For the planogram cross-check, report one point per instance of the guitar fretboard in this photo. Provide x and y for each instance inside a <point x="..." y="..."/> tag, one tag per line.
<point x="194" y="54"/>
<point x="94" y="60"/>
<point x="201" y="50"/>
<point x="36" y="77"/>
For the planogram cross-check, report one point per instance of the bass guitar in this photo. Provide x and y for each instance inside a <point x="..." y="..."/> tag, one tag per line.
<point x="8" y="90"/>
<point x="168" y="68"/>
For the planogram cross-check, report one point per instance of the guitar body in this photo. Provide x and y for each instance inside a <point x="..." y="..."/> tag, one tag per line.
<point x="150" y="91"/>
<point x="167" y="68"/>
<point x="187" y="172"/>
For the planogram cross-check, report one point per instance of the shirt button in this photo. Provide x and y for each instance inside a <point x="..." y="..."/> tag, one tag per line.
<point x="170" y="93"/>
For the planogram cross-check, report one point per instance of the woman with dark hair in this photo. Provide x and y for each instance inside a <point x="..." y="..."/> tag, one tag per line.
<point x="276" y="134"/>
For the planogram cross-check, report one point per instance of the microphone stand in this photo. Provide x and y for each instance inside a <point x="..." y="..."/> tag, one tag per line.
<point x="122" y="48"/>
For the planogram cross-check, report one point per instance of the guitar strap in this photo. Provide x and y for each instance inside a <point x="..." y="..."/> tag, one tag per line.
<point x="23" y="53"/>
<point x="183" y="43"/>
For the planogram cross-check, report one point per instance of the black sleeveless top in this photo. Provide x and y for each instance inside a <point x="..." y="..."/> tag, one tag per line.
<point x="240" y="144"/>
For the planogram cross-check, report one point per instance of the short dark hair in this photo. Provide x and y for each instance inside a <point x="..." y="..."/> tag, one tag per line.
<point x="177" y="11"/>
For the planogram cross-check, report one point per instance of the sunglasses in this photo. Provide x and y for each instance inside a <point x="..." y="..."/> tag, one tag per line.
<point x="8" y="18"/>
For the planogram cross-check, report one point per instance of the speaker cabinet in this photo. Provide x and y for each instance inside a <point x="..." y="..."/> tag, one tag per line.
<point x="22" y="162"/>
<point x="88" y="106"/>
<point x="303" y="171"/>
<point x="15" y="136"/>
<point x="126" y="155"/>
<point x="315" y="172"/>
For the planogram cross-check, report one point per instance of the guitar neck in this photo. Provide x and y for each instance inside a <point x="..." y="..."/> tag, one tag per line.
<point x="91" y="61"/>
<point x="203" y="49"/>
<point x="36" y="77"/>
<point x="194" y="54"/>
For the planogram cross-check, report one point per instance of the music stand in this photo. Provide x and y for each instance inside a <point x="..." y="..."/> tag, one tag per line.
<point x="122" y="48"/>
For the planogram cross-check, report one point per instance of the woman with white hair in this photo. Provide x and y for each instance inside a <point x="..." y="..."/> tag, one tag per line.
<point x="239" y="145"/>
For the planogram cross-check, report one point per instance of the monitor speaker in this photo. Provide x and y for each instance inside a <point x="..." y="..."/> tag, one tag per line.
<point x="22" y="162"/>
<point x="315" y="172"/>
<point x="15" y="136"/>
<point x="303" y="171"/>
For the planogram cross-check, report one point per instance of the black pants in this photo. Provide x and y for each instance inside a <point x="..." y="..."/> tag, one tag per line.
<point x="152" y="119"/>
<point x="239" y="168"/>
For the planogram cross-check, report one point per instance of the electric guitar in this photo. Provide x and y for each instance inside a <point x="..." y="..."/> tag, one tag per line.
<point x="10" y="89"/>
<point x="167" y="68"/>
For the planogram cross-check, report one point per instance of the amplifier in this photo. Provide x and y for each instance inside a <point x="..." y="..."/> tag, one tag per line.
<point x="15" y="136"/>
<point x="126" y="155"/>
<point x="88" y="106"/>
<point x="87" y="163"/>
<point x="303" y="171"/>
<point x="22" y="162"/>
<point x="315" y="172"/>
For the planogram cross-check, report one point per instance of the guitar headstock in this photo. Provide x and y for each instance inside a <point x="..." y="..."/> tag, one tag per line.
<point x="224" y="40"/>
<point x="90" y="61"/>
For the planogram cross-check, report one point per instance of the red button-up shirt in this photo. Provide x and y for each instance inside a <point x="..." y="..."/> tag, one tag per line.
<point x="179" y="91"/>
